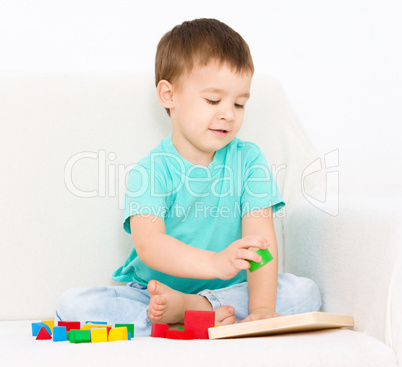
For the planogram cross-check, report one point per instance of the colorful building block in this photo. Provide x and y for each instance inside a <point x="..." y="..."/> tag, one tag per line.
<point x="59" y="334"/>
<point x="98" y="335"/>
<point x="80" y="336"/>
<point x="179" y="334"/>
<point x="96" y="322"/>
<point x="159" y="330"/>
<point x="128" y="335"/>
<point x="49" y="323"/>
<point x="119" y="333"/>
<point x="130" y="328"/>
<point x="91" y="326"/>
<point x="266" y="257"/>
<point x="43" y="334"/>
<point x="70" y="325"/>
<point x="36" y="326"/>
<point x="199" y="322"/>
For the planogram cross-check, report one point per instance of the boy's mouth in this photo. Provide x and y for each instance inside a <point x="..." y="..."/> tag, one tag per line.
<point x="219" y="132"/>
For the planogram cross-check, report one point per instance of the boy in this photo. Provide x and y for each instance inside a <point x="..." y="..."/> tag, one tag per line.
<point x="185" y="255"/>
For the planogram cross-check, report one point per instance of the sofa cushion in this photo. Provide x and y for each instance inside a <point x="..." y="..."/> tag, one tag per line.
<point x="320" y="348"/>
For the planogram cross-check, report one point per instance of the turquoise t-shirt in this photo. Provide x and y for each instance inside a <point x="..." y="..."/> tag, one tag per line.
<point x="201" y="206"/>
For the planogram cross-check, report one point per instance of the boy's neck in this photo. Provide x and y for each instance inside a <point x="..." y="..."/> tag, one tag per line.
<point x="190" y="154"/>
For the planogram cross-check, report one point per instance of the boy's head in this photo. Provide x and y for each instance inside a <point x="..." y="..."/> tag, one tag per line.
<point x="199" y="42"/>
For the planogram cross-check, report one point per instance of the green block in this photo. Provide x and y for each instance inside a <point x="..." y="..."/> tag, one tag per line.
<point x="80" y="336"/>
<point x="130" y="328"/>
<point x="180" y="328"/>
<point x="68" y="335"/>
<point x="266" y="258"/>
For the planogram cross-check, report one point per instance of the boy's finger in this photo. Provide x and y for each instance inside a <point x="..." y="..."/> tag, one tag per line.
<point x="259" y="242"/>
<point x="248" y="255"/>
<point x="241" y="264"/>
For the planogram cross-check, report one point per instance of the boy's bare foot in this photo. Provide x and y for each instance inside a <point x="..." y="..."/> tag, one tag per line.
<point x="167" y="305"/>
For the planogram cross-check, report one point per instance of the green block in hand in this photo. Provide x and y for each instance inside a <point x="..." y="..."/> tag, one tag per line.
<point x="266" y="258"/>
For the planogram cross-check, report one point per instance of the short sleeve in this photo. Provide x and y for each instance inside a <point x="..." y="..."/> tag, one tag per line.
<point x="260" y="189"/>
<point x="145" y="194"/>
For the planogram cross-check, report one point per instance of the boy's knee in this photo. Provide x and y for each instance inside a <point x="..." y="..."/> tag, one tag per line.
<point x="300" y="294"/>
<point x="68" y="304"/>
<point x="312" y="293"/>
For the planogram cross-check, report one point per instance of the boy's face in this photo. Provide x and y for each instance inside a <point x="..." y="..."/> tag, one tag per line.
<point x="209" y="99"/>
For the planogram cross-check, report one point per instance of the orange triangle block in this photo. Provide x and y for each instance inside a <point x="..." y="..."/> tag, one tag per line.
<point x="43" y="334"/>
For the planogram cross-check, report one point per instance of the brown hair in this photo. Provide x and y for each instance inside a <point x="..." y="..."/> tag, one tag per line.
<point x="200" y="41"/>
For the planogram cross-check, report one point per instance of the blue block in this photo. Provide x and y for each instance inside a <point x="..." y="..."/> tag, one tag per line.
<point x="36" y="326"/>
<point x="96" y="322"/>
<point x="128" y="335"/>
<point x="59" y="334"/>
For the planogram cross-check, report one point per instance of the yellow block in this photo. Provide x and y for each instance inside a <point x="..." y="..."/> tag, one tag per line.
<point x="118" y="333"/>
<point x="98" y="335"/>
<point x="49" y="323"/>
<point x="90" y="326"/>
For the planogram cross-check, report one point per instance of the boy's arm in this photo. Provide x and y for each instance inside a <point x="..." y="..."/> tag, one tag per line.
<point x="167" y="254"/>
<point x="262" y="283"/>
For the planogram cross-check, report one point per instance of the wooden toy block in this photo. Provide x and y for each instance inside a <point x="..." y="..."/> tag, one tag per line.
<point x="199" y="322"/>
<point x="49" y="323"/>
<point x="91" y="326"/>
<point x="284" y="324"/>
<point x="43" y="334"/>
<point x="159" y="330"/>
<point x="128" y="335"/>
<point x="266" y="257"/>
<point x="96" y="322"/>
<point x="179" y="334"/>
<point x="59" y="334"/>
<point x="36" y="326"/>
<point x="119" y="333"/>
<point x="98" y="335"/>
<point x="80" y="336"/>
<point x="130" y="328"/>
<point x="68" y="335"/>
<point x="70" y="325"/>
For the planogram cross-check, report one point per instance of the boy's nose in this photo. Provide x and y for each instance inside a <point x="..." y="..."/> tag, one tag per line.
<point x="226" y="113"/>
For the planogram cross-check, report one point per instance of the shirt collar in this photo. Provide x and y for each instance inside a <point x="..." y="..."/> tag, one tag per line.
<point x="180" y="162"/>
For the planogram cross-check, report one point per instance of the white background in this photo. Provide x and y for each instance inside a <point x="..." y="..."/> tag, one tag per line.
<point x="339" y="61"/>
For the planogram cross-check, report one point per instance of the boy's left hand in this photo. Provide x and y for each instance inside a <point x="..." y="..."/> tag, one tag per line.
<point x="261" y="314"/>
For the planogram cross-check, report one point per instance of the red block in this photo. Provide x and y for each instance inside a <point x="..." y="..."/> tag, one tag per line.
<point x="199" y="322"/>
<point x="70" y="325"/>
<point x="43" y="334"/>
<point x="179" y="334"/>
<point x="159" y="330"/>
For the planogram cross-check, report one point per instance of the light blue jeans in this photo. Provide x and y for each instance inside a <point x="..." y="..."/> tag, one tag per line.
<point x="129" y="304"/>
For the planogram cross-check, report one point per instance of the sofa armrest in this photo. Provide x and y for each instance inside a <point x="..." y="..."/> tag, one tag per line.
<point x="393" y="330"/>
<point x="350" y="255"/>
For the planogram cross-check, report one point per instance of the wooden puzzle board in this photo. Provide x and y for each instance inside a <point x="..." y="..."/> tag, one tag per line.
<point x="283" y="324"/>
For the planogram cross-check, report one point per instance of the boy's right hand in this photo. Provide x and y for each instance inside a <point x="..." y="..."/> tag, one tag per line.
<point x="233" y="258"/>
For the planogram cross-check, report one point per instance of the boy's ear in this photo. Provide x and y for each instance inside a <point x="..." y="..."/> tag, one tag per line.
<point x="165" y="94"/>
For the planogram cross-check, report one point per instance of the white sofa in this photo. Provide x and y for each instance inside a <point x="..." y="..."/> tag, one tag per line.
<point x="67" y="142"/>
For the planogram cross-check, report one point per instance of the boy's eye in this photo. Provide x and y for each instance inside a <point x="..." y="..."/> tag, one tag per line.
<point x="240" y="106"/>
